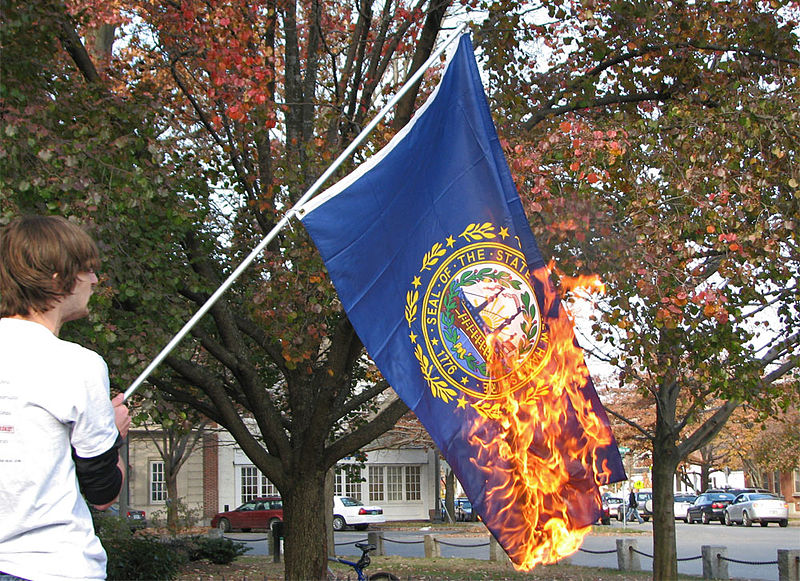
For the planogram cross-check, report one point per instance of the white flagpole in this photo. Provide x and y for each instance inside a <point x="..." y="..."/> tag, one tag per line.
<point x="290" y="214"/>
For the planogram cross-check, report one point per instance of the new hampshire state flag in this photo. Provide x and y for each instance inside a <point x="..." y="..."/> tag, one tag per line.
<point x="432" y="257"/>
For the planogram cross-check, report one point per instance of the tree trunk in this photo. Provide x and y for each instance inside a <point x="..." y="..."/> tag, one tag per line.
<point x="172" y="500"/>
<point x="665" y="463"/>
<point x="304" y="527"/>
<point x="427" y="41"/>
<point x="330" y="479"/>
<point x="705" y="476"/>
<point x="100" y="42"/>
<point x="450" y="495"/>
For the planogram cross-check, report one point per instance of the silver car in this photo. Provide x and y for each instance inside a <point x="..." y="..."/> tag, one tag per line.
<point x="760" y="507"/>
<point x="682" y="504"/>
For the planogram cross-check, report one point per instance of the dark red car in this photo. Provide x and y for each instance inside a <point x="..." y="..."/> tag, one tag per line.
<point x="259" y="513"/>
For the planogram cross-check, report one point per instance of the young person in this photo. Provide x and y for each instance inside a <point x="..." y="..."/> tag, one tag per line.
<point x="59" y="431"/>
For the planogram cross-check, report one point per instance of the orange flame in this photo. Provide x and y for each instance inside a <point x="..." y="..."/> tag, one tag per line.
<point x="538" y="455"/>
<point x="590" y="283"/>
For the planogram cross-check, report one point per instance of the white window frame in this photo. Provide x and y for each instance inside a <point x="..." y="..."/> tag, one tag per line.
<point x="394" y="484"/>
<point x="346" y="484"/>
<point x="412" y="475"/>
<point x="248" y="487"/>
<point x="268" y="488"/>
<point x="158" y="482"/>
<point x="376" y="484"/>
<point x="253" y="484"/>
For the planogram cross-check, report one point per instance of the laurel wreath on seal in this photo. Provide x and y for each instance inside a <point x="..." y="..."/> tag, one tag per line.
<point x="490" y="411"/>
<point x="431" y="258"/>
<point x="438" y="386"/>
<point x="411" y="306"/>
<point x="483" y="231"/>
<point x="470" y="278"/>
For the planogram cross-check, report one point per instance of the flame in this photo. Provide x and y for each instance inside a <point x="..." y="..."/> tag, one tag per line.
<point x="589" y="283"/>
<point x="538" y="455"/>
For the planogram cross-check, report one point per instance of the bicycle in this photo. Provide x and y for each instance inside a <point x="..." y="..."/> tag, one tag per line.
<point x="360" y="565"/>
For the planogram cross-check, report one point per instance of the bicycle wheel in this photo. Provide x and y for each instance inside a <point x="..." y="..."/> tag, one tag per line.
<point x="383" y="576"/>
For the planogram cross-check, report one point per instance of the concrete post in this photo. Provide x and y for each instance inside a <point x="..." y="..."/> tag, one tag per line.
<point x="432" y="549"/>
<point x="714" y="565"/>
<point x="376" y="538"/>
<point x="788" y="565"/>
<point x="496" y="552"/>
<point x="627" y="558"/>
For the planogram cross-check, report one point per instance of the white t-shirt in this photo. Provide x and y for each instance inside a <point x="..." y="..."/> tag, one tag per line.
<point x="53" y="394"/>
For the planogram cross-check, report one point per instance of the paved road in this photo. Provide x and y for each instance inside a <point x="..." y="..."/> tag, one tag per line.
<point x="754" y="544"/>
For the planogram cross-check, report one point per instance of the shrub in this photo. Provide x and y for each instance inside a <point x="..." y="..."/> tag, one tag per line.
<point x="222" y="551"/>
<point x="185" y="517"/>
<point x="110" y="527"/>
<point x="135" y="557"/>
<point x="217" y="550"/>
<point x="149" y="557"/>
<point x="143" y="557"/>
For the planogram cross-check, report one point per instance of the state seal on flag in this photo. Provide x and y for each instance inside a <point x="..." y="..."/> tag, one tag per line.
<point x="474" y="318"/>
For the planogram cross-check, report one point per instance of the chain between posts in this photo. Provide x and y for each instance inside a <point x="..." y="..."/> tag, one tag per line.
<point x="484" y="544"/>
<point x="721" y="558"/>
<point x="582" y="550"/>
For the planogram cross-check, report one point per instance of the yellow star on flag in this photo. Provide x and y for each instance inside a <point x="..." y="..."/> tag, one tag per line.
<point x="450" y="241"/>
<point x="462" y="402"/>
<point x="413" y="338"/>
<point x="504" y="233"/>
<point x="416" y="282"/>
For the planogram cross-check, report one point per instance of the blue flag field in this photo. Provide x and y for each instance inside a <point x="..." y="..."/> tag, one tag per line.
<point x="434" y="261"/>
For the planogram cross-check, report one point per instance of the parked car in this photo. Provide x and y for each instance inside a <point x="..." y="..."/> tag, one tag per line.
<point x="605" y="513"/>
<point x="615" y="505"/>
<point x="259" y="513"/>
<point x="645" y="504"/>
<point x="736" y="491"/>
<point x="709" y="506"/>
<point x="682" y="502"/>
<point x="351" y="512"/>
<point x="760" y="507"/>
<point x="463" y="510"/>
<point x="136" y="518"/>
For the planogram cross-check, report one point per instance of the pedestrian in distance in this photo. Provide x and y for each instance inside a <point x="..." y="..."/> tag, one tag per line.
<point x="633" y="508"/>
<point x="59" y="430"/>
